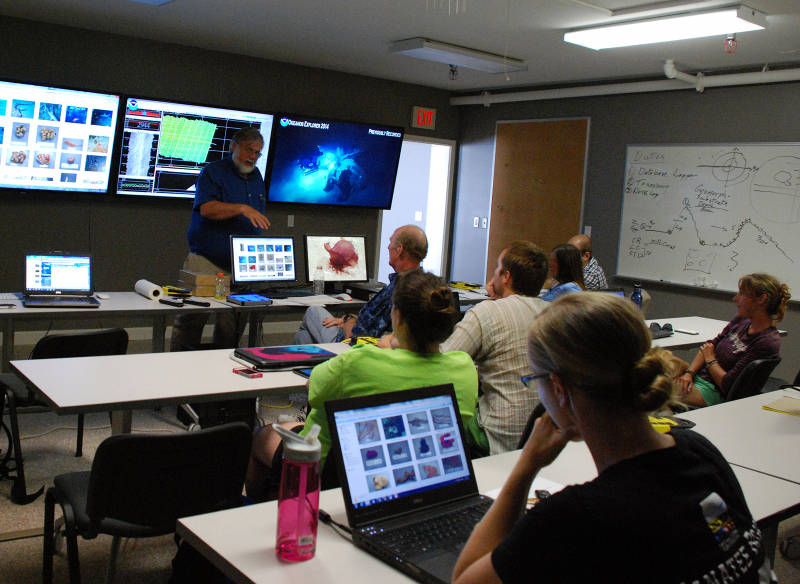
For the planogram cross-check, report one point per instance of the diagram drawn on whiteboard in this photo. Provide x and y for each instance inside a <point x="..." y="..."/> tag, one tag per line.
<point x="705" y="215"/>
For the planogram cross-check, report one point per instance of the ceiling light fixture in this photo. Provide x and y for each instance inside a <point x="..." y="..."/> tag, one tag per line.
<point x="422" y="48"/>
<point x="723" y="21"/>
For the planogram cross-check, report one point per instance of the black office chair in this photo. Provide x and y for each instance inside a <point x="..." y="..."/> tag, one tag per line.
<point x="775" y="383"/>
<point x="752" y="378"/>
<point x="17" y="395"/>
<point x="141" y="484"/>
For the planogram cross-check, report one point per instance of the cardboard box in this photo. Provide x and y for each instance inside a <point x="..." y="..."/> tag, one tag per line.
<point x="201" y="284"/>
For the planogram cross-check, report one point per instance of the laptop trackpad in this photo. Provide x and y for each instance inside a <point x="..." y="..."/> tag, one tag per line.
<point x="440" y="564"/>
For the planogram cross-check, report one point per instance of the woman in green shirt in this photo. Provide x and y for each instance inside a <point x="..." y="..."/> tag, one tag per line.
<point x="423" y="315"/>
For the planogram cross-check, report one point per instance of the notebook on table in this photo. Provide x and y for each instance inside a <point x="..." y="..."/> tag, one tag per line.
<point x="58" y="280"/>
<point x="282" y="357"/>
<point x="409" y="488"/>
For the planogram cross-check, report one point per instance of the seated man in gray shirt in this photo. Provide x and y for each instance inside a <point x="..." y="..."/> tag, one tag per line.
<point x="494" y="334"/>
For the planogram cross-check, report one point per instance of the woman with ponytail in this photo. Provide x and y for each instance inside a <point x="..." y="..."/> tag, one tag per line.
<point x="423" y="315"/>
<point x="760" y="304"/>
<point x="663" y="508"/>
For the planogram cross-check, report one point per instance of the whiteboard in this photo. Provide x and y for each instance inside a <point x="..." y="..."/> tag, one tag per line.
<point x="705" y="215"/>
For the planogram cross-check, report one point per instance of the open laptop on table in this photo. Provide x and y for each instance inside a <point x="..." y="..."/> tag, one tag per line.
<point x="58" y="280"/>
<point x="409" y="488"/>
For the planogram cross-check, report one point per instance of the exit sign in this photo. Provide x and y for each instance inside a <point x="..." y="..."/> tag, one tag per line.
<point x="423" y="117"/>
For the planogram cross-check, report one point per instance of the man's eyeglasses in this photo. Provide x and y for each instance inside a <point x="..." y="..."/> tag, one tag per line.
<point x="527" y="380"/>
<point x="255" y="151"/>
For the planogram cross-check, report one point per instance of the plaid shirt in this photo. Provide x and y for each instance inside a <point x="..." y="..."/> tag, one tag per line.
<point x="594" y="277"/>
<point x="375" y="317"/>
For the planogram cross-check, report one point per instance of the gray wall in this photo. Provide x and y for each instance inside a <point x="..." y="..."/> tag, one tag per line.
<point x="737" y="114"/>
<point x="133" y="237"/>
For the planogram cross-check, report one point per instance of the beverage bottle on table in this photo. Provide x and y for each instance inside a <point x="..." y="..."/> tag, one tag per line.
<point x="636" y="296"/>
<point x="319" y="281"/>
<point x="219" y="287"/>
<point x="298" y="501"/>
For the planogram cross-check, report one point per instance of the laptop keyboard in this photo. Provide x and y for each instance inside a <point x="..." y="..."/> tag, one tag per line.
<point x="435" y="533"/>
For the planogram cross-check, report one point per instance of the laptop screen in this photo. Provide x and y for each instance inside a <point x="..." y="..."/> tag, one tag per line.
<point x="401" y="449"/>
<point x="58" y="274"/>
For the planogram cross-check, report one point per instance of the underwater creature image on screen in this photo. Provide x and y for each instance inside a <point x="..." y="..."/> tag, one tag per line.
<point x="341" y="258"/>
<point x="333" y="163"/>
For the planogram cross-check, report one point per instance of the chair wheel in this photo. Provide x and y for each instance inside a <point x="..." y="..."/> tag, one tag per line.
<point x="194" y="427"/>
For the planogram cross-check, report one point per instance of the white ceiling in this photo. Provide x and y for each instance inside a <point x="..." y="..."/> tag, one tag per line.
<point x="354" y="35"/>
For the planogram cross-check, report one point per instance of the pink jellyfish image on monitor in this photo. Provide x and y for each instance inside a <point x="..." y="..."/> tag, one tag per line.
<point x="342" y="256"/>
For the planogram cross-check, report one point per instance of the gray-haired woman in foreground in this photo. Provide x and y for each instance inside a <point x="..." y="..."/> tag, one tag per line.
<point x="664" y="507"/>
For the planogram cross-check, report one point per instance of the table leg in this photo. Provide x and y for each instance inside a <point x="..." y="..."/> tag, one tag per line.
<point x="121" y="421"/>
<point x="254" y="322"/>
<point x="159" y="332"/>
<point x="8" y="343"/>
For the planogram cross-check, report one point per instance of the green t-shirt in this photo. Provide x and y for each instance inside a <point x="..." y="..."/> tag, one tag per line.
<point x="366" y="369"/>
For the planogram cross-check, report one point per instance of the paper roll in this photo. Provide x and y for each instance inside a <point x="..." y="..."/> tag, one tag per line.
<point x="147" y="289"/>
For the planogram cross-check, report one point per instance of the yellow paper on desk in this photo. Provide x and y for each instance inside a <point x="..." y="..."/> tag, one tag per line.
<point x="784" y="405"/>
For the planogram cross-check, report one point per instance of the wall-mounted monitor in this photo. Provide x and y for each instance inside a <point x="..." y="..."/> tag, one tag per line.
<point x="259" y="261"/>
<point x="56" y="139"/>
<point x="328" y="162"/>
<point x="165" y="144"/>
<point x="341" y="258"/>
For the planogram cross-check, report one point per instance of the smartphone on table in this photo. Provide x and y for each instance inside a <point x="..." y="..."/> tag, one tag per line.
<point x="247" y="372"/>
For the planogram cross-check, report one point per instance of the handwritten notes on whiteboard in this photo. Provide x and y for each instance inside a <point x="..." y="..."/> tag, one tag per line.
<point x="705" y="215"/>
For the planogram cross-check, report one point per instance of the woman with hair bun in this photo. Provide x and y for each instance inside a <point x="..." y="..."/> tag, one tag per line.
<point x="423" y="315"/>
<point x="663" y="508"/>
<point x="760" y="304"/>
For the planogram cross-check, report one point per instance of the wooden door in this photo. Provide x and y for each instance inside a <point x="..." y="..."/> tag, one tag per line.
<point x="537" y="188"/>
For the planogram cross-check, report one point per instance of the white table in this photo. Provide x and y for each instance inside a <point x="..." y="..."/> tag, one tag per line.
<point x="752" y="437"/>
<point x="127" y="382"/>
<point x="241" y="542"/>
<point x="707" y="328"/>
<point x="128" y="304"/>
<point x="131" y="304"/>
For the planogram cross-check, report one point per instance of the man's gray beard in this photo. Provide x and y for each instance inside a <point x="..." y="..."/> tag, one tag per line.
<point x="244" y="169"/>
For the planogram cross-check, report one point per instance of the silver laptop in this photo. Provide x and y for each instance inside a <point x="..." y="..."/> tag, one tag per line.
<point x="409" y="488"/>
<point x="58" y="280"/>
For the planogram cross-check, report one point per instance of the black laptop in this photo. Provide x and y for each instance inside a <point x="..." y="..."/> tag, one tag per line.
<point x="409" y="488"/>
<point x="283" y="356"/>
<point x="58" y="280"/>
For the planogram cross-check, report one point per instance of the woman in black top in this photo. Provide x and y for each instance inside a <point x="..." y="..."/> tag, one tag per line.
<point x="664" y="507"/>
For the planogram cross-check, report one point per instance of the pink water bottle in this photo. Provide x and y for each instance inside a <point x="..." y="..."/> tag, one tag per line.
<point x="298" y="502"/>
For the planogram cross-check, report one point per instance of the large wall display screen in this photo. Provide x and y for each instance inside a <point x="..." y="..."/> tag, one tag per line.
<point x="333" y="163"/>
<point x="166" y="144"/>
<point x="55" y="139"/>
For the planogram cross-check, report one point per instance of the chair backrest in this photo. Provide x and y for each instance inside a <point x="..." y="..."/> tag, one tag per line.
<point x="752" y="378"/>
<point x="84" y="344"/>
<point x="154" y="479"/>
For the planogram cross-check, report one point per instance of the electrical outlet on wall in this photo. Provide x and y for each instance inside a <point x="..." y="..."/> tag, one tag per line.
<point x="475" y="221"/>
<point x="484" y="222"/>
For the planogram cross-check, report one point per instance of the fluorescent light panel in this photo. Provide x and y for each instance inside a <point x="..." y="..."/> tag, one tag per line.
<point x="671" y="28"/>
<point x="429" y="50"/>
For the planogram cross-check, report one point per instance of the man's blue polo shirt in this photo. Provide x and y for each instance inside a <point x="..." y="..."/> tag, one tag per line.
<point x="221" y="181"/>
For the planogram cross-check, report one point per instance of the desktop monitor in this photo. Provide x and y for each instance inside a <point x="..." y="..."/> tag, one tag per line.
<point x="326" y="162"/>
<point x="165" y="144"/>
<point x="56" y="139"/>
<point x="341" y="258"/>
<point x="259" y="261"/>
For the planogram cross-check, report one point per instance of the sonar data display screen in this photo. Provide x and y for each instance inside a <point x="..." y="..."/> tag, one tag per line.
<point x="165" y="145"/>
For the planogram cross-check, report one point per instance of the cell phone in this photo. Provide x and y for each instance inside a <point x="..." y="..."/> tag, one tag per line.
<point x="305" y="372"/>
<point x="248" y="372"/>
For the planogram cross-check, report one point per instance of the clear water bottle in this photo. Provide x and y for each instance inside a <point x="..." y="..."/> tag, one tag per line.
<point x="298" y="501"/>
<point x="319" y="281"/>
<point x="219" y="287"/>
<point x="636" y="296"/>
